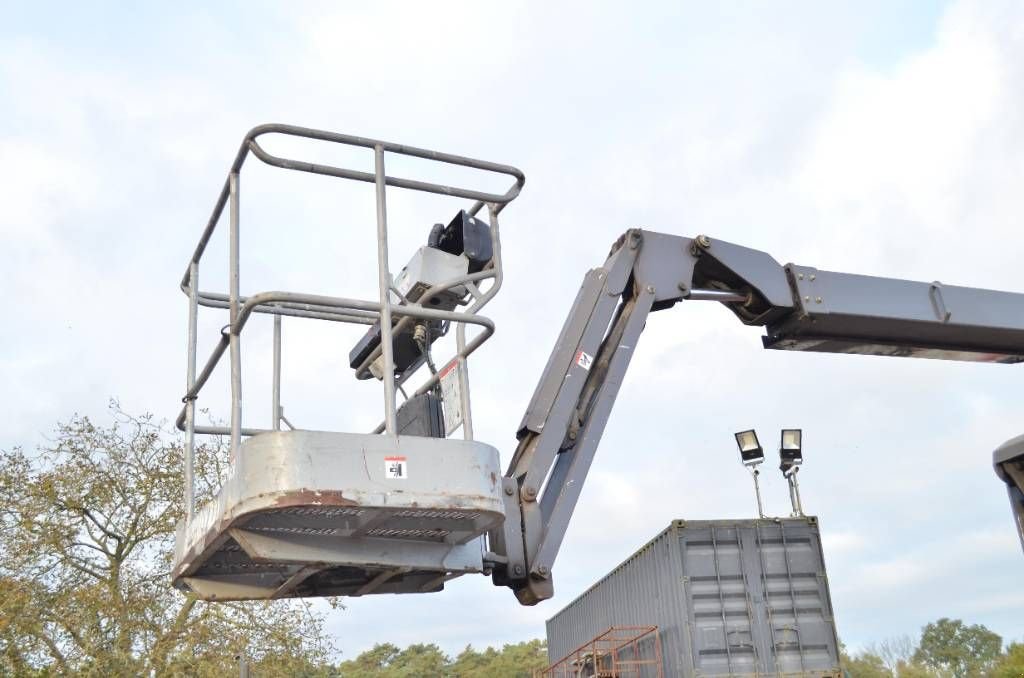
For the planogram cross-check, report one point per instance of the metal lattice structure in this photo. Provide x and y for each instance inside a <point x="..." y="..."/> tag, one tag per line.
<point x="619" y="652"/>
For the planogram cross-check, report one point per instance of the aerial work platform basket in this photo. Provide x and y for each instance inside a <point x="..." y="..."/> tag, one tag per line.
<point x="322" y="513"/>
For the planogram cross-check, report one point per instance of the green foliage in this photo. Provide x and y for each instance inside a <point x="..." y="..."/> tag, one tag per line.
<point x="896" y="653"/>
<point x="865" y="665"/>
<point x="86" y="535"/>
<point x="1011" y="664"/>
<point x="964" y="651"/>
<point x="372" y="662"/>
<point x="948" y="648"/>
<point x="910" y="669"/>
<point x="388" y="661"/>
<point x="513" y="661"/>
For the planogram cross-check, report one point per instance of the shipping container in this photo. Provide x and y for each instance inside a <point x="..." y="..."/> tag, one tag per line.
<point x="729" y="597"/>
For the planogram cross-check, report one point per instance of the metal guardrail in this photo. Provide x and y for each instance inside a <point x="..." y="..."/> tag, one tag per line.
<point x="618" y="652"/>
<point x="334" y="309"/>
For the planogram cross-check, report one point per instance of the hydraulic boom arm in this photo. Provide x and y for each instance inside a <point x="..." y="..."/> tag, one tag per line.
<point x="802" y="308"/>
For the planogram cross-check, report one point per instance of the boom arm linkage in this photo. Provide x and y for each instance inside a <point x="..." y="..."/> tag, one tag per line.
<point x="802" y="308"/>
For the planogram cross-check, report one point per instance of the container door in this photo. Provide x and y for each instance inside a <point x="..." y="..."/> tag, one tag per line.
<point x="797" y="615"/>
<point x="721" y="623"/>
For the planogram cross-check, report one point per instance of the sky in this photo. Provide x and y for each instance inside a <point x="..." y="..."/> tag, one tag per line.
<point x="871" y="137"/>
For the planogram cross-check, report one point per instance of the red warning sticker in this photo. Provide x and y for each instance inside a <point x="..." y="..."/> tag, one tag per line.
<point x="396" y="468"/>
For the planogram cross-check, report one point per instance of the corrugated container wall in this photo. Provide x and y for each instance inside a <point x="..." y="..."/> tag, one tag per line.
<point x="729" y="597"/>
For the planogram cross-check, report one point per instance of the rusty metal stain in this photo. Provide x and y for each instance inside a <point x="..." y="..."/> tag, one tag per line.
<point x="307" y="497"/>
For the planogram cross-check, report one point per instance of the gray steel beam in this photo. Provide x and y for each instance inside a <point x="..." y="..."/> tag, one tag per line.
<point x="537" y="449"/>
<point x="378" y="581"/>
<point x="507" y="539"/>
<point x="846" y="313"/>
<point x="803" y="309"/>
<point x="234" y="340"/>
<point x="1016" y="496"/>
<point x="384" y="283"/>
<point x="275" y="394"/>
<point x="735" y="264"/>
<point x="610" y="280"/>
<point x="190" y="400"/>
<point x="300" y="575"/>
<point x="559" y="509"/>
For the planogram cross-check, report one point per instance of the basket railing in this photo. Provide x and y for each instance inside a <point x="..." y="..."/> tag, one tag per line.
<point x="334" y="309"/>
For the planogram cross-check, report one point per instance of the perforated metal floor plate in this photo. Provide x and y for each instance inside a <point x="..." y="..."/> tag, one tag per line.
<point x="322" y="514"/>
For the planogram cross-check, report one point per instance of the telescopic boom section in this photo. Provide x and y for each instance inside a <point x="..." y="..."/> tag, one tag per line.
<point x="802" y="308"/>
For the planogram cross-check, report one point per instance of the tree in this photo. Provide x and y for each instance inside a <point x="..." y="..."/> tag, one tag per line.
<point x="912" y="669"/>
<point x="1011" y="664"/>
<point x="387" y="661"/>
<point x="419" y="660"/>
<point x="894" y="651"/>
<point x="517" y="660"/>
<point x="470" y="663"/>
<point x="373" y="662"/>
<point x="86" y="536"/>
<point x="864" y="665"/>
<point x="964" y="651"/>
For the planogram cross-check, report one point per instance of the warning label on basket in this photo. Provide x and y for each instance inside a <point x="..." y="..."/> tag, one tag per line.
<point x="396" y="467"/>
<point x="451" y="395"/>
<point x="584" y="360"/>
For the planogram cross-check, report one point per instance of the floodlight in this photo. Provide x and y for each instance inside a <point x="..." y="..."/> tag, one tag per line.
<point x="790" y="447"/>
<point x="750" y="448"/>
<point x="752" y="455"/>
<point x="790" y="457"/>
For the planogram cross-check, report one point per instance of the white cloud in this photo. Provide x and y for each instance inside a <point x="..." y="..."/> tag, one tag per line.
<point x="895" y="159"/>
<point x="836" y="543"/>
